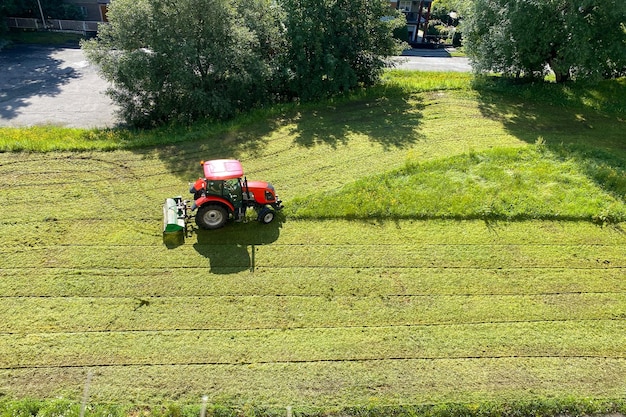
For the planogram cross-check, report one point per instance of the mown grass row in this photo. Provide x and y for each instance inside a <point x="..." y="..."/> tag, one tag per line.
<point x="345" y="387"/>
<point x="118" y="229"/>
<point x="307" y="282"/>
<point x="368" y="343"/>
<point x="566" y="406"/>
<point x="323" y="256"/>
<point x="73" y="314"/>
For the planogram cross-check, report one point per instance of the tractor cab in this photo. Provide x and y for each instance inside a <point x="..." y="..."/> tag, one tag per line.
<point x="230" y="189"/>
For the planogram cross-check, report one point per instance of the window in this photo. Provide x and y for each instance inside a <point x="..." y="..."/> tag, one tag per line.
<point x="405" y="5"/>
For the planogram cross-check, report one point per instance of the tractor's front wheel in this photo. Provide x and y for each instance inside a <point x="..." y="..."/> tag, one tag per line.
<point x="211" y="216"/>
<point x="266" y="215"/>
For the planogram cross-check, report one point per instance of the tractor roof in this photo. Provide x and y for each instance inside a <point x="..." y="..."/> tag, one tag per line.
<point x="222" y="169"/>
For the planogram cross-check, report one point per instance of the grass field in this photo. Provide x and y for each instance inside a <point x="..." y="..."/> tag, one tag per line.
<point x="337" y="307"/>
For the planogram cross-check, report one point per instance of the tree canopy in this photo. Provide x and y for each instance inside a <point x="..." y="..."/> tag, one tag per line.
<point x="573" y="38"/>
<point x="183" y="59"/>
<point x="189" y="59"/>
<point x="336" y="45"/>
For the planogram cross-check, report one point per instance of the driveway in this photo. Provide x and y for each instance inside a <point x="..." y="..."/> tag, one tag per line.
<point x="42" y="85"/>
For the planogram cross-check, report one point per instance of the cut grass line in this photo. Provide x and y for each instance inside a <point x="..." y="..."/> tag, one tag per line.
<point x="74" y="220"/>
<point x="285" y="295"/>
<point x="609" y="248"/>
<point x="281" y="329"/>
<point x="356" y="269"/>
<point x="327" y="245"/>
<point x="316" y="361"/>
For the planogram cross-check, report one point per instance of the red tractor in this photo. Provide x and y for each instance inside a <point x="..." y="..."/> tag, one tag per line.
<point x="219" y="196"/>
<point x="224" y="193"/>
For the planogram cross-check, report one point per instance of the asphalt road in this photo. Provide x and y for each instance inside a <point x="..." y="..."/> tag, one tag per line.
<point x="432" y="60"/>
<point x="42" y="85"/>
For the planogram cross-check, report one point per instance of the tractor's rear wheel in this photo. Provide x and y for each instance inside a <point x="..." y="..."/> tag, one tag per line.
<point x="211" y="216"/>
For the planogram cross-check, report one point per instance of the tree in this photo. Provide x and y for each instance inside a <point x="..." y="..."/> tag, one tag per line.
<point x="441" y="10"/>
<point x="187" y="59"/>
<point x="336" y="45"/>
<point x="573" y="38"/>
<point x="445" y="19"/>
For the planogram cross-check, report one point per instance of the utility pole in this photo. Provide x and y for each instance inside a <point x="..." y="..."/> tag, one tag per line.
<point x="43" y="19"/>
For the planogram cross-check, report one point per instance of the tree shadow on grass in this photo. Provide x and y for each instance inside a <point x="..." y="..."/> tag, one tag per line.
<point x="387" y="116"/>
<point x="183" y="159"/>
<point x="26" y="72"/>
<point x="232" y="249"/>
<point x="585" y="123"/>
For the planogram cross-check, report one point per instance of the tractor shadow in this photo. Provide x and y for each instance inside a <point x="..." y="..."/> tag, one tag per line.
<point x="232" y="248"/>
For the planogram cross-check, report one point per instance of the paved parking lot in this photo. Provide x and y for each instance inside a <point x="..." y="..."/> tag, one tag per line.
<point x="50" y="85"/>
<point x="56" y="85"/>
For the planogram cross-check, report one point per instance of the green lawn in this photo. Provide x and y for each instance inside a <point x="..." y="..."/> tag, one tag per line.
<point x="494" y="282"/>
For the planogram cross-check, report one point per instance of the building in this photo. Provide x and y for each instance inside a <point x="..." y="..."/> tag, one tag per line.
<point x="94" y="10"/>
<point x="417" y="16"/>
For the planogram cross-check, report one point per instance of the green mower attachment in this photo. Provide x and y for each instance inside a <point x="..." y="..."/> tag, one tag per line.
<point x="174" y="217"/>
